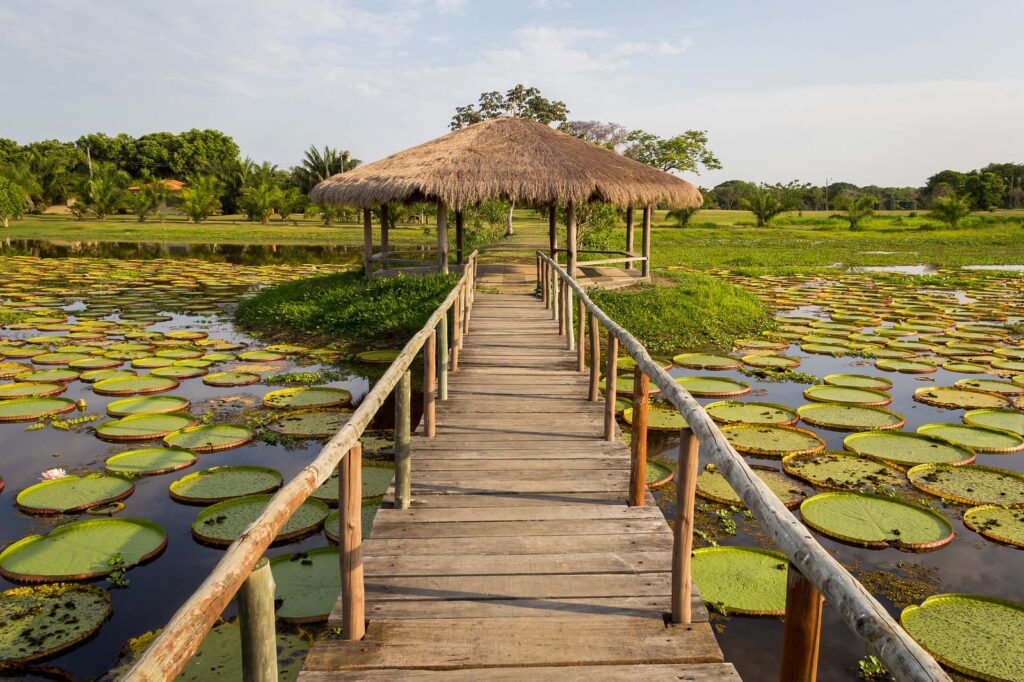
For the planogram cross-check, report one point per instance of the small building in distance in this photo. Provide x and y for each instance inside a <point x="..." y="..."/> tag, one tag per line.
<point x="172" y="201"/>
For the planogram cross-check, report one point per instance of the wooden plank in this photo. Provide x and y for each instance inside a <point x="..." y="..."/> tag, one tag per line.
<point x="522" y="564"/>
<point x="553" y="463"/>
<point x="485" y="529"/>
<point x="654" y="607"/>
<point x="518" y="586"/>
<point x="538" y="544"/>
<point x="700" y="672"/>
<point x="426" y="500"/>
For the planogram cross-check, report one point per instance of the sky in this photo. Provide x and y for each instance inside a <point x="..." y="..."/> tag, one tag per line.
<point x="874" y="92"/>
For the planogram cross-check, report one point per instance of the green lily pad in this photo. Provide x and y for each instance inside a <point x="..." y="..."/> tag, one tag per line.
<point x="770" y="440"/>
<point x="30" y="389"/>
<point x="741" y="580"/>
<point x="369" y="511"/>
<point x="217" y="484"/>
<point x="228" y="379"/>
<point x="706" y="361"/>
<point x="825" y="393"/>
<point x="82" y="550"/>
<point x="151" y="362"/>
<point x="209" y="437"/>
<point x="964" y="367"/>
<point x="314" y="424"/>
<point x="713" y="486"/>
<point x="876" y="521"/>
<point x="376" y="478"/>
<point x="1007" y="420"/>
<point x="658" y="474"/>
<point x="143" y="426"/>
<point x="72" y="494"/>
<point x="738" y="412"/>
<point x="959" y="398"/>
<point x="624" y="385"/>
<point x="306" y="584"/>
<point x="659" y="418"/>
<point x="157" y="404"/>
<point x="261" y="356"/>
<point x="906" y="366"/>
<point x="378" y="357"/>
<point x="135" y="385"/>
<point x="12" y="369"/>
<point x="29" y="409"/>
<point x="997" y="523"/>
<point x="972" y="634"/>
<point x="1009" y="365"/>
<point x="972" y="484"/>
<point x="771" y="361"/>
<point x="907" y="449"/>
<point x="316" y="397"/>
<point x="991" y="386"/>
<point x="149" y="461"/>
<point x="843" y="471"/>
<point x="49" y="376"/>
<point x="57" y="358"/>
<point x="179" y="372"/>
<point x="222" y="523"/>
<point x="977" y="438"/>
<point x="847" y="417"/>
<point x="713" y="387"/>
<point x="858" y="381"/>
<point x="40" y="621"/>
<point x="98" y="375"/>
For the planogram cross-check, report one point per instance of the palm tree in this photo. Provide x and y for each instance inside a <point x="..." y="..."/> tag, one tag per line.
<point x="150" y="194"/>
<point x="104" y="192"/>
<point x="950" y="209"/>
<point x="856" y="209"/>
<point x="201" y="198"/>
<point x="319" y="165"/>
<point x="258" y="201"/>
<point x="232" y="175"/>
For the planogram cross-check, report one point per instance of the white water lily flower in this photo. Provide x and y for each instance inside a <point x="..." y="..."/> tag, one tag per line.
<point x="53" y="474"/>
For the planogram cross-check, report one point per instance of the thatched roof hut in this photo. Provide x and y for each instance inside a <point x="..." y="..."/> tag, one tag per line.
<point x="508" y="158"/>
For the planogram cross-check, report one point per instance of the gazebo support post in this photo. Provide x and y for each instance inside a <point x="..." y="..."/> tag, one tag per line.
<point x="629" y="235"/>
<point x="646" y="242"/>
<point x="367" y="243"/>
<point x="570" y="237"/>
<point x="442" y="236"/>
<point x="552" y="233"/>
<point x="460" y="238"/>
<point x="385" y="224"/>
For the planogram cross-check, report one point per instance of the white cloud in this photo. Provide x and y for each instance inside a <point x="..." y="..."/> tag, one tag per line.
<point x="550" y="4"/>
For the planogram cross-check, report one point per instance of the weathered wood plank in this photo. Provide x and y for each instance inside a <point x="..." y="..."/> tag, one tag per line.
<point x="502" y="564"/>
<point x="539" y="544"/>
<point x="485" y="529"/>
<point x="699" y="672"/>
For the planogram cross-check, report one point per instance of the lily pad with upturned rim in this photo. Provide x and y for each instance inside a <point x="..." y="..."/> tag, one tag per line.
<point x="179" y="372"/>
<point x="222" y="523"/>
<point x="906" y="366"/>
<point x="706" y="361"/>
<point x="1008" y="388"/>
<point x="713" y="387"/>
<point x="660" y="417"/>
<point x="30" y="389"/>
<point x="739" y="412"/>
<point x="314" y="397"/>
<point x="658" y="474"/>
<point x="49" y="376"/>
<point x="131" y="385"/>
<point x="217" y="484"/>
<point x="98" y="375"/>
<point x="959" y="398"/>
<point x="155" y="404"/>
<point x="42" y="620"/>
<point x="903" y="449"/>
<point x="149" y="461"/>
<point x="712" y="485"/>
<point x="858" y="381"/>
<point x="261" y="356"/>
<point x="876" y="521"/>
<point x="306" y="584"/>
<point x="209" y="437"/>
<point x="231" y="379"/>
<point x="28" y="409"/>
<point x="848" y="417"/>
<point x="972" y="484"/>
<point x="1007" y="420"/>
<point x="771" y="361"/>
<point x="741" y="580"/>
<point x="313" y="424"/>
<point x="977" y="438"/>
<point x="825" y="393"/>
<point x="144" y="426"/>
<point x="376" y="479"/>
<point x="378" y="357"/>
<point x="72" y="494"/>
<point x="769" y="440"/>
<point x="841" y="470"/>
<point x="1002" y="524"/>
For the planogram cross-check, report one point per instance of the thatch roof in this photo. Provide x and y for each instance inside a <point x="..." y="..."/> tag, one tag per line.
<point x="506" y="158"/>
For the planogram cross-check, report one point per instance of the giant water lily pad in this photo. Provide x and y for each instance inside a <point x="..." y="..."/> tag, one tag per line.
<point x="738" y="412"/>
<point x="376" y="478"/>
<point x="907" y="449"/>
<point x="30" y="389"/>
<point x="713" y="387"/>
<point x="179" y="372"/>
<point x="98" y="375"/>
<point x="149" y="461"/>
<point x="1007" y="420"/>
<point x="222" y="523"/>
<point x="1001" y="524"/>
<point x="144" y="426"/>
<point x="227" y="379"/>
<point x="977" y="438"/>
<point x="771" y="361"/>
<point x="27" y="409"/>
<point x="39" y="621"/>
<point x="209" y="437"/>
<point x="71" y="494"/>
<point x="770" y="440"/>
<point x="378" y="357"/>
<point x="972" y="634"/>
<point x="659" y="418"/>
<point x="876" y="521"/>
<point x="223" y="483"/>
<point x="858" y="381"/>
<point x="713" y="486"/>
<point x="82" y="550"/>
<point x="260" y="356"/>
<point x="624" y="385"/>
<point x="306" y="584"/>
<point x="843" y="471"/>
<point x="49" y="376"/>
<point x="972" y="484"/>
<point x="312" y="424"/>
<point x="12" y="369"/>
<point x="155" y="404"/>
<point x="847" y="417"/>
<point x="316" y="397"/>
<point x="906" y="366"/>
<point x="706" y="361"/>
<point x="991" y="386"/>
<point x="743" y="580"/>
<point x="135" y="385"/>
<point x="658" y="474"/>
<point x="959" y="398"/>
<point x="826" y="393"/>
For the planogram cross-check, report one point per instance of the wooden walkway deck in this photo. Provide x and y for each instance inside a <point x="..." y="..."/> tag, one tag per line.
<point x="518" y="559"/>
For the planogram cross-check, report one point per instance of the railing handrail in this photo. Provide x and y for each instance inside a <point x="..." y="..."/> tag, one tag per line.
<point x="177" y="642"/>
<point x="903" y="656"/>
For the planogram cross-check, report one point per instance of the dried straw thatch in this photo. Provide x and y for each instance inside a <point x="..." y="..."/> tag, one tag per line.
<point x="507" y="158"/>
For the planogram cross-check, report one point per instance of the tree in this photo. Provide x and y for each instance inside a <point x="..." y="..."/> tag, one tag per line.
<point x="857" y="208"/>
<point x="104" y="191"/>
<point x="984" y="190"/>
<point x="201" y="197"/>
<point x="950" y="209"/>
<point x="11" y="201"/>
<point x="23" y="181"/>
<point x="686" y="152"/>
<point x="289" y="201"/>
<point x="768" y="201"/>
<point x="258" y="200"/>
<point x="944" y="183"/>
<point x="730" y="193"/>
<point x="200" y="151"/>
<point x="684" y="215"/>
<point x="148" y="196"/>
<point x="232" y="174"/>
<point x="318" y="165"/>
<point x="608" y="135"/>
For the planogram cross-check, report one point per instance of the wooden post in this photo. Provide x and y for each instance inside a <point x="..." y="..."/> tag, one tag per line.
<point x="570" y="238"/>
<point x="467" y="298"/>
<point x="595" y="359"/>
<point x="581" y="339"/>
<point x="457" y="329"/>
<point x="350" y="538"/>
<point x="802" y="629"/>
<point x="429" y="383"/>
<point x="403" y="441"/>
<point x="570" y="333"/>
<point x="385" y="227"/>
<point x="645" y="242"/>
<point x="610" y="376"/>
<point x="552" y="231"/>
<point x="638" y="438"/>
<point x="555" y="279"/>
<point x="460" y="237"/>
<point x="256" y="621"/>
<point x="442" y="236"/>
<point x="560" y="308"/>
<point x="544" y="286"/>
<point x="367" y="243"/>
<point x="682" y="531"/>
<point x="629" y="235"/>
<point x="442" y="357"/>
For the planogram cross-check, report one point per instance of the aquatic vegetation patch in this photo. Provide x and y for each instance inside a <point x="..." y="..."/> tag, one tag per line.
<point x="876" y="521"/>
<point x="768" y="440"/>
<point x="849" y="417"/>
<point x="28" y="409"/>
<point x="1001" y="524"/>
<point x="713" y="387"/>
<point x="209" y="437"/>
<point x="712" y="485"/>
<point x="843" y="471"/>
<point x="144" y="426"/>
<point x="149" y="461"/>
<point x="741" y="580"/>
<point x="39" y="621"/>
<point x="1007" y="420"/>
<point x="847" y="394"/>
<point x="222" y="523"/>
<point x="317" y="397"/>
<point x="71" y="494"/>
<point x="971" y="484"/>
<point x="907" y="449"/>
<point x="315" y="424"/>
<point x="739" y="412"/>
<point x="977" y="438"/>
<point x="960" y="398"/>
<point x="306" y="584"/>
<point x="706" y="361"/>
<point x="220" y="483"/>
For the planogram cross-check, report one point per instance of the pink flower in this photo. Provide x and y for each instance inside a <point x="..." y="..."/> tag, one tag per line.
<point x="53" y="474"/>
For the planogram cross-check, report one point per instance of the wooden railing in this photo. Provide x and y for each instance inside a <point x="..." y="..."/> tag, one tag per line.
<point x="243" y="570"/>
<point x="625" y="257"/>
<point x="814" y="575"/>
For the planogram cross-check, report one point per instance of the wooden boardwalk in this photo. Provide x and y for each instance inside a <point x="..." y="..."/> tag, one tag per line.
<point x="518" y="559"/>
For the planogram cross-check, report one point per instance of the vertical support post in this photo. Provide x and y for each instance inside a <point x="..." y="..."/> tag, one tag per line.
<point x="350" y="550"/>
<point x="682" y="531"/>
<point x="570" y="333"/>
<point x="552" y="231"/>
<point x="570" y="238"/>
<point x="638" y="438"/>
<point x="460" y="237"/>
<point x="555" y="280"/>
<point x="457" y="329"/>
<point x="467" y="304"/>
<point x="429" y="384"/>
<point x="560" y="308"/>
<point x="256" y="621"/>
<point x="581" y="339"/>
<point x="367" y="243"/>
<point x="403" y="441"/>
<point x="629" y="235"/>
<point x="442" y="357"/>
<point x="802" y="629"/>
<point x="545" y="289"/>
<point x="595" y="359"/>
<point x="385" y="227"/>
<point x="538" y="271"/>
<point x="645" y="242"/>
<point x="610" y="388"/>
<point x="442" y="236"/>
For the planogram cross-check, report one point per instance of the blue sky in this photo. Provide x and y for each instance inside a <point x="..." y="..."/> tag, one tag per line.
<point x="884" y="92"/>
